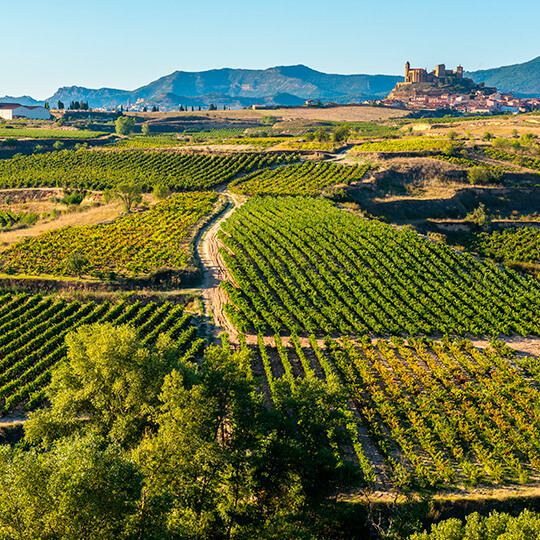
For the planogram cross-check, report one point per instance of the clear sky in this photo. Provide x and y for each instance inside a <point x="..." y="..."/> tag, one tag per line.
<point x="129" y="43"/>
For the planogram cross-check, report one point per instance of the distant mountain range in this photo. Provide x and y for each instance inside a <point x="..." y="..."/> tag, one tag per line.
<point x="523" y="80"/>
<point x="282" y="85"/>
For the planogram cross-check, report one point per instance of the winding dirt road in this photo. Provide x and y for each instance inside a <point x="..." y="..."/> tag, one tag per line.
<point x="214" y="272"/>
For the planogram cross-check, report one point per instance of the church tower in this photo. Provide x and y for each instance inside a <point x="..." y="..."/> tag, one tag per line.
<point x="407" y="68"/>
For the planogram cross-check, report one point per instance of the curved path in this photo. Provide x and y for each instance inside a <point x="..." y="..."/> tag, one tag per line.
<point x="214" y="272"/>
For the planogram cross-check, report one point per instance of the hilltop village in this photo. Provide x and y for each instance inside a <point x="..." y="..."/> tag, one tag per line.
<point x="443" y="89"/>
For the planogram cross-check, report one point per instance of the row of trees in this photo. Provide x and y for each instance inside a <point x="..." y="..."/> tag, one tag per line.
<point x="140" y="444"/>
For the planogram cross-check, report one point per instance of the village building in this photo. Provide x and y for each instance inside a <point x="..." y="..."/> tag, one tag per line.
<point x="9" y="111"/>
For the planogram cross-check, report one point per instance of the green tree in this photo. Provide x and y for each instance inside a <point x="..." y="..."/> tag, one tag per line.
<point x="58" y="145"/>
<point x="341" y="134"/>
<point x="129" y="193"/>
<point x="110" y="379"/>
<point x="81" y="488"/>
<point x="77" y="263"/>
<point x="479" y="216"/>
<point x="161" y="191"/>
<point x="125" y="125"/>
<point x="145" y="129"/>
<point x="60" y="105"/>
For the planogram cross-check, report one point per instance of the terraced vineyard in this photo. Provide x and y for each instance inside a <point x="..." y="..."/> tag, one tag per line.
<point x="132" y="245"/>
<point x="435" y="413"/>
<point x="523" y="161"/>
<point x="302" y="265"/>
<point x="43" y="133"/>
<point x="100" y="169"/>
<point x="33" y="331"/>
<point x="520" y="244"/>
<point x="148" y="141"/>
<point x="307" y="178"/>
<point x="403" y="145"/>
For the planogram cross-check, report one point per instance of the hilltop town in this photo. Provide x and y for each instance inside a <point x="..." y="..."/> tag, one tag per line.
<point x="443" y="89"/>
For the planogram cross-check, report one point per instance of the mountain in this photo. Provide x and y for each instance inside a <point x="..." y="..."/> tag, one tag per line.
<point x="283" y="85"/>
<point x="523" y="80"/>
<point x="21" y="100"/>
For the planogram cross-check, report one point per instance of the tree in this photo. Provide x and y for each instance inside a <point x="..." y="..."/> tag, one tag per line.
<point x="341" y="134"/>
<point x="80" y="488"/>
<point x="129" y="193"/>
<point x="125" y="125"/>
<point x="47" y="105"/>
<point x="212" y="107"/>
<point x="111" y="379"/>
<point x="58" y="145"/>
<point x="145" y="129"/>
<point x="60" y="105"/>
<point x="221" y="457"/>
<point x="479" y="216"/>
<point x="145" y="109"/>
<point x="76" y="263"/>
<point x="452" y="135"/>
<point x="161" y="191"/>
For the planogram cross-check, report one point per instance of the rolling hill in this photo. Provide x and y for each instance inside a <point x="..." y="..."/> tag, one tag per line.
<point x="279" y="85"/>
<point x="523" y="80"/>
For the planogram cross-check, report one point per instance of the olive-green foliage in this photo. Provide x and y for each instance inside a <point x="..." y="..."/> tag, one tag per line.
<point x="483" y="175"/>
<point x="214" y="461"/>
<point x="82" y="488"/>
<point x="129" y="193"/>
<point x="124" y="125"/>
<point x="496" y="526"/>
<point x="110" y="378"/>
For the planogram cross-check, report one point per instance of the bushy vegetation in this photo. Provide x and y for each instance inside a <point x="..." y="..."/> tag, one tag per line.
<point x="508" y="246"/>
<point x="305" y="266"/>
<point x="493" y="527"/>
<point x="139" y="442"/>
<point x="132" y="245"/>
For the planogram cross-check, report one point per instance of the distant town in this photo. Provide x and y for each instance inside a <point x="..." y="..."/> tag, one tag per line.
<point x="443" y="89"/>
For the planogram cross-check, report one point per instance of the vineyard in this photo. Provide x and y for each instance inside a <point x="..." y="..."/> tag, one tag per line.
<point x="133" y="245"/>
<point x="33" y="331"/>
<point x="100" y="169"/>
<point x="298" y="179"/>
<point x="302" y="265"/>
<point x="509" y="245"/>
<point x="403" y="145"/>
<point x="435" y="413"/>
<point x="522" y="161"/>
<point x="43" y="133"/>
<point x="148" y="141"/>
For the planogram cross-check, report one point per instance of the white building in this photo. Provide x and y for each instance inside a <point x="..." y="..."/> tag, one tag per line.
<point x="15" y="110"/>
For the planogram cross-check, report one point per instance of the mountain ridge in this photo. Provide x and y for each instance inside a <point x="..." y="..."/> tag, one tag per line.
<point x="278" y="85"/>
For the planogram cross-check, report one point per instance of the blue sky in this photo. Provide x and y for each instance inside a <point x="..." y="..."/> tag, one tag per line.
<point x="128" y="43"/>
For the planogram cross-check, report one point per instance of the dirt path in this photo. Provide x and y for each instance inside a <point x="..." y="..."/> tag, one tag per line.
<point x="214" y="272"/>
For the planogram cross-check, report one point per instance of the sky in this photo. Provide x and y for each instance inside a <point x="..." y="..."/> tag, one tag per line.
<point x="129" y="43"/>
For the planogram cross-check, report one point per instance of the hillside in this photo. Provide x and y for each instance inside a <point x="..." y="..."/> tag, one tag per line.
<point x="521" y="79"/>
<point x="279" y="85"/>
